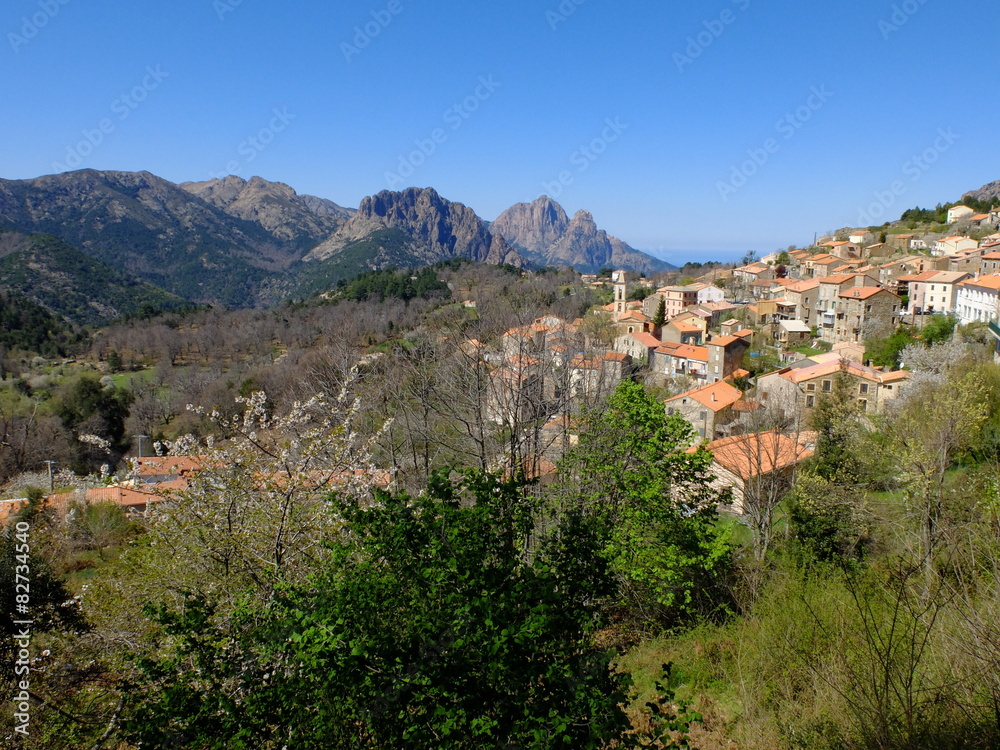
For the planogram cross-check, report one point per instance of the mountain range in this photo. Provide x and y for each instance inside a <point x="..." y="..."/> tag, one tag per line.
<point x="543" y="233"/>
<point x="241" y="243"/>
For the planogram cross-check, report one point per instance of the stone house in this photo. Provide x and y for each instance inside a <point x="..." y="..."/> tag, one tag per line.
<point x="725" y="355"/>
<point x="708" y="408"/>
<point x="865" y="311"/>
<point x="748" y="465"/>
<point x="797" y="389"/>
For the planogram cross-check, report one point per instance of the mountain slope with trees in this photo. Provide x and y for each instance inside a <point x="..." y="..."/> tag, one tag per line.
<point x="72" y="285"/>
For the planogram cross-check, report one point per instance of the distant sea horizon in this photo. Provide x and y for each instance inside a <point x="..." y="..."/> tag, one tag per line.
<point x="681" y="257"/>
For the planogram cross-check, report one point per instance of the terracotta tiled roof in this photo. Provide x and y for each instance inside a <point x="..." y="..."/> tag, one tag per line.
<point x="991" y="281"/>
<point x="685" y="327"/>
<point x="686" y="351"/>
<point x="723" y="341"/>
<point x="716" y="396"/>
<point x="925" y="276"/>
<point x="863" y="292"/>
<point x="803" y="286"/>
<point x="153" y="466"/>
<point x="647" y="340"/>
<point x="757" y="454"/>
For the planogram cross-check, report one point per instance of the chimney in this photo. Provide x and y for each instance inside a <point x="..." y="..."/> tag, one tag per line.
<point x="714" y="397"/>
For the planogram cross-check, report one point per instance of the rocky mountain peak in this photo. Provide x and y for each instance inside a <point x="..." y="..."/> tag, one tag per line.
<point x="986" y="193"/>
<point x="273" y="205"/>
<point x="542" y="231"/>
<point x="436" y="228"/>
<point x="532" y="227"/>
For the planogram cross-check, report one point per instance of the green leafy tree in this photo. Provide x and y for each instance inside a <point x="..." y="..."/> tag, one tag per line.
<point x="938" y="328"/>
<point x="884" y="352"/>
<point x="441" y="621"/>
<point x="88" y="399"/>
<point x="652" y="504"/>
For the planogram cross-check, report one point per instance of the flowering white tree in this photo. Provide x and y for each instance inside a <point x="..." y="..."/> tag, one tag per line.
<point x="256" y="512"/>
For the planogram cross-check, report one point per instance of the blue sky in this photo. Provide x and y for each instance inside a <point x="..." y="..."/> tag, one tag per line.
<point x="694" y="130"/>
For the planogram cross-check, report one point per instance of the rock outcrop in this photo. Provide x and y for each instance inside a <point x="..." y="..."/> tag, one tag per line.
<point x="435" y="229"/>
<point x="542" y="232"/>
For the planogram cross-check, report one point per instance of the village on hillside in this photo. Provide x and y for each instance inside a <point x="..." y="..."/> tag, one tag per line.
<point x="705" y="346"/>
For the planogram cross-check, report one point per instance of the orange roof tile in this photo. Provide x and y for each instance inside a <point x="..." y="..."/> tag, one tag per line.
<point x="152" y="466"/>
<point x="863" y="292"/>
<point x="723" y="341"/>
<point x="683" y="327"/>
<point x="716" y="396"/>
<point x="687" y="351"/>
<point x="990" y="281"/>
<point x="647" y="340"/>
<point x="757" y="454"/>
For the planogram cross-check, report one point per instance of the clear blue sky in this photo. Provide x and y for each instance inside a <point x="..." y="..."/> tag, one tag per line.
<point x="700" y="88"/>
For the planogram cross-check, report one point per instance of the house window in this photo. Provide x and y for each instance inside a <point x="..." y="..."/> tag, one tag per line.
<point x="863" y="404"/>
<point x="864" y="388"/>
<point x="827" y="385"/>
<point x="810" y="401"/>
<point x="811" y="387"/>
<point x="703" y="416"/>
<point x="670" y="409"/>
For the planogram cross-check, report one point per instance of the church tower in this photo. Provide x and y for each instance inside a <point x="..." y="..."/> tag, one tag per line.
<point x="621" y="292"/>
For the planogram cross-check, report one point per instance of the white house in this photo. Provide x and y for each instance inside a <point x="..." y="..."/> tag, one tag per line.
<point x="934" y="292"/>
<point x="957" y="213"/>
<point x="709" y="293"/>
<point x="978" y="300"/>
<point x="953" y="244"/>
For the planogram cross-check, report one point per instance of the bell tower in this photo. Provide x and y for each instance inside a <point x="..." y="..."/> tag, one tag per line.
<point x="621" y="292"/>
